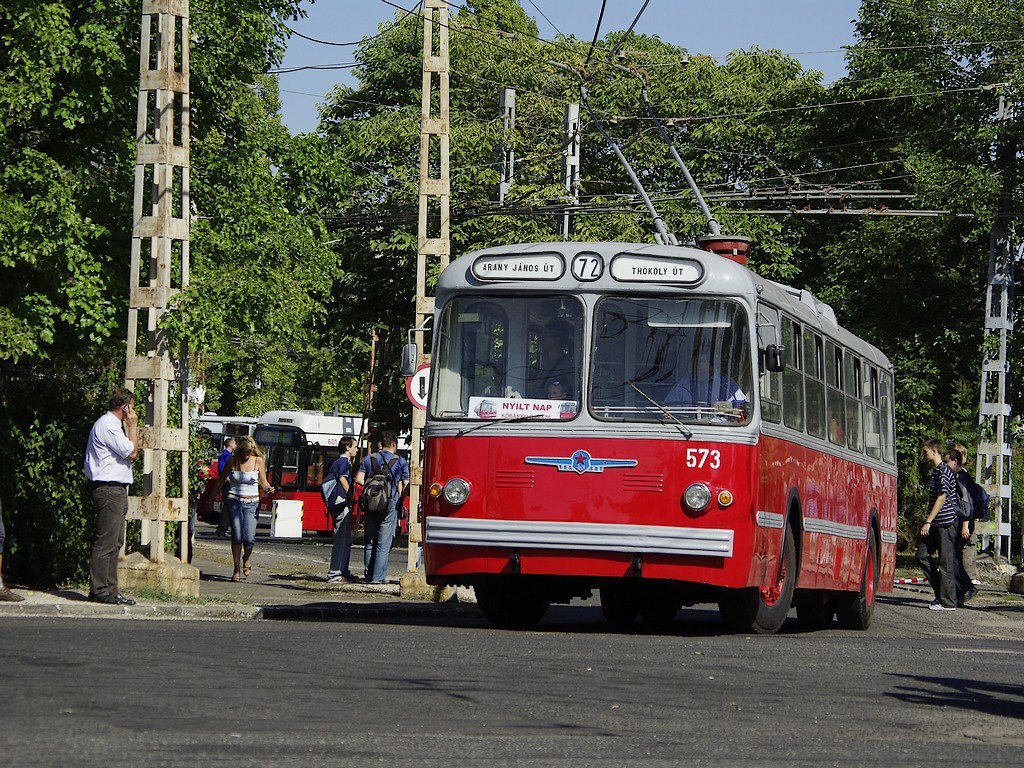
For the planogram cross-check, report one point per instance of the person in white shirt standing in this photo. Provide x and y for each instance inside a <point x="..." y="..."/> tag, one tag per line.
<point x="113" y="443"/>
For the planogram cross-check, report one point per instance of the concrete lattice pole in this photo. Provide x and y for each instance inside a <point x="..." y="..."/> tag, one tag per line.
<point x="433" y="234"/>
<point x="993" y="468"/>
<point x="159" y="268"/>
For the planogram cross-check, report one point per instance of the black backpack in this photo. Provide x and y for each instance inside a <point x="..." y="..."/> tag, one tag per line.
<point x="377" y="490"/>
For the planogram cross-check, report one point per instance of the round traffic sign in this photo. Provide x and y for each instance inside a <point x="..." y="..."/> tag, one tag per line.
<point x="416" y="386"/>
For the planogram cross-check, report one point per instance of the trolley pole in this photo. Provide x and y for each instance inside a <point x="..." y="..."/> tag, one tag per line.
<point x="433" y="236"/>
<point x="159" y="271"/>
<point x="995" y="432"/>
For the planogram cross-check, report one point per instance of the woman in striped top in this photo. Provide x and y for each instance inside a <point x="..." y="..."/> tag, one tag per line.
<point x="246" y="473"/>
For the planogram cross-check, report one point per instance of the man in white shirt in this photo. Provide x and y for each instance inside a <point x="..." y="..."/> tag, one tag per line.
<point x="113" y="443"/>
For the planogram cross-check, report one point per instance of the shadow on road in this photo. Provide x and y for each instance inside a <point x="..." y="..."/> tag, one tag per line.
<point x="959" y="693"/>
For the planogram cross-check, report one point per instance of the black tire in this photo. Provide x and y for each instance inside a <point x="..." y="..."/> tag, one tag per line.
<point x="815" y="611"/>
<point x="620" y="605"/>
<point x="855" y="610"/>
<point x="511" y="605"/>
<point x="763" y="610"/>
<point x="659" y="611"/>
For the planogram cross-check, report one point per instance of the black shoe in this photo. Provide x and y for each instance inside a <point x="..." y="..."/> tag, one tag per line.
<point x="970" y="593"/>
<point x="122" y="600"/>
<point x="105" y="599"/>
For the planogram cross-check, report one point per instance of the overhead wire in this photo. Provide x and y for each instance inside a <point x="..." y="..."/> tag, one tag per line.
<point x="759" y="111"/>
<point x="597" y="32"/>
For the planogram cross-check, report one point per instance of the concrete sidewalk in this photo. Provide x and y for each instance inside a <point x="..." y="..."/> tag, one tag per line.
<point x="286" y="583"/>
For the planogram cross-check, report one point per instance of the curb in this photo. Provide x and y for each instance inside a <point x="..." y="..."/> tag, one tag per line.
<point x="169" y="611"/>
<point x="343" y="611"/>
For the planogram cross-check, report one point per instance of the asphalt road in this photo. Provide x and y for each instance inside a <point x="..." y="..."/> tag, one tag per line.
<point x="917" y="689"/>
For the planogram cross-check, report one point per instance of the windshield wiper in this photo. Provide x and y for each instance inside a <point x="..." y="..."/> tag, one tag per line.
<point x="489" y="422"/>
<point x="686" y="433"/>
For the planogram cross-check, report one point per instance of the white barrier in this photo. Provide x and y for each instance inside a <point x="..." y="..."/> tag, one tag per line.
<point x="286" y="519"/>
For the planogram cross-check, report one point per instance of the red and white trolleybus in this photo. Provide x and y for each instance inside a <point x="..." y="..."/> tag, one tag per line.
<point x="714" y="437"/>
<point x="300" y="448"/>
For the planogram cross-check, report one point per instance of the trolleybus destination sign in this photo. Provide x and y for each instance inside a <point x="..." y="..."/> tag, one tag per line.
<point x="632" y="268"/>
<point x="519" y="266"/>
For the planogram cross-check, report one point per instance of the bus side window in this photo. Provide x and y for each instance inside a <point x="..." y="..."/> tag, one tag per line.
<point x="835" y="400"/>
<point x="872" y="423"/>
<point x="852" y="380"/>
<point x="792" y="377"/>
<point x="814" y="386"/>
<point x="886" y="404"/>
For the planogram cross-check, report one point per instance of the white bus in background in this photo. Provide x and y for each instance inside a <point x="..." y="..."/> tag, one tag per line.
<point x="300" y="447"/>
<point x="223" y="427"/>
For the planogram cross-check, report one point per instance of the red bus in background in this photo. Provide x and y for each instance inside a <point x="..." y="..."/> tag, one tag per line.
<point x="716" y="438"/>
<point x="300" y="447"/>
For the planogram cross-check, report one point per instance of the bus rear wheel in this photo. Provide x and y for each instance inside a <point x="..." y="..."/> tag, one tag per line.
<point x="620" y="605"/>
<point x="856" y="610"/>
<point x="511" y="605"/>
<point x="763" y="610"/>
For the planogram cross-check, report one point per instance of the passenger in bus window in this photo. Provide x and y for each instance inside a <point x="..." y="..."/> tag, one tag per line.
<point x="488" y="381"/>
<point x="554" y="357"/>
<point x="705" y="385"/>
<point x="557" y="390"/>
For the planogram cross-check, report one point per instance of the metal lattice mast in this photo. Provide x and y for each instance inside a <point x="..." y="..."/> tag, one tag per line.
<point x="434" y="237"/>
<point x="995" y="433"/>
<point x="571" y="163"/>
<point x="507" y="152"/>
<point x="159" y="265"/>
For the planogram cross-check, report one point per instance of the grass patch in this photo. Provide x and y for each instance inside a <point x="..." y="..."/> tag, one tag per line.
<point x="906" y="566"/>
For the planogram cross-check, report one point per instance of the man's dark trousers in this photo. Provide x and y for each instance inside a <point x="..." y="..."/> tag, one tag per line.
<point x="111" y="505"/>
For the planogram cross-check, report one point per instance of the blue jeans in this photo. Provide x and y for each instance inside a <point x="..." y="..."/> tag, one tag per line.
<point x="342" y="548"/>
<point x="243" y="520"/>
<point x="379" y="533"/>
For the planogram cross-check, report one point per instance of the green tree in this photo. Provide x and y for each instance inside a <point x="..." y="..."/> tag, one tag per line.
<point x="68" y="89"/>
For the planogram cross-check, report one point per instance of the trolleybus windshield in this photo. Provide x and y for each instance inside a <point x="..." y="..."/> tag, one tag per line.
<point x="508" y="357"/>
<point x="666" y="358"/>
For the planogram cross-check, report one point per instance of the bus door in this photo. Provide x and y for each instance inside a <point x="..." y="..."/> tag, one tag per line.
<point x="283" y="446"/>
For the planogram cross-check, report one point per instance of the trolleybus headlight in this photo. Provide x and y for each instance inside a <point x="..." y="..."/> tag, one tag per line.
<point x="435" y="490"/>
<point x="724" y="498"/>
<point x="697" y="496"/>
<point x="456" y="491"/>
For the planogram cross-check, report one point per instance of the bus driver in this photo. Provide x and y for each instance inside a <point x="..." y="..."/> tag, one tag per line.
<point x="702" y="385"/>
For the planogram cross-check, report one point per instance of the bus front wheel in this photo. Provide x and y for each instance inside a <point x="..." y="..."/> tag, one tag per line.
<point x="620" y="605"/>
<point x="763" y="610"/>
<point x="511" y="605"/>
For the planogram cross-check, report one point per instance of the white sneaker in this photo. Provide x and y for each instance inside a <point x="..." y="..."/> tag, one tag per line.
<point x="975" y="582"/>
<point x="940" y="607"/>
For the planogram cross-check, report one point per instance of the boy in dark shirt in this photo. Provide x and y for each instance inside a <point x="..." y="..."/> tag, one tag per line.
<point x="938" y="533"/>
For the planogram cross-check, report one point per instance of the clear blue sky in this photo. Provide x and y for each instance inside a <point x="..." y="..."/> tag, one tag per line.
<point x="812" y="31"/>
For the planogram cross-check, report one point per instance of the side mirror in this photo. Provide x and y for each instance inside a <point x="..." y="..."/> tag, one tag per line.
<point x="410" y="358"/>
<point x="775" y="358"/>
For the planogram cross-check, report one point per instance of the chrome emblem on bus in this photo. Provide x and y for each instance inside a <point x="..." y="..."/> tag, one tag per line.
<point x="580" y="462"/>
